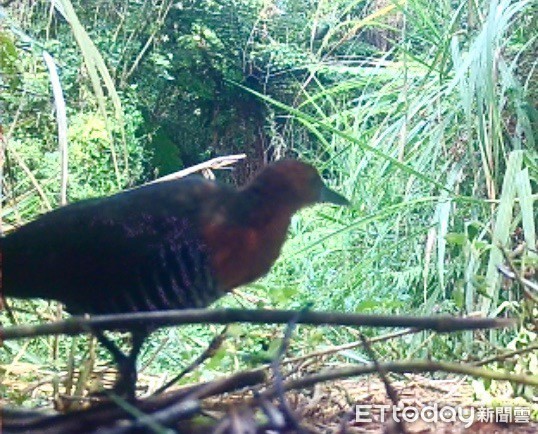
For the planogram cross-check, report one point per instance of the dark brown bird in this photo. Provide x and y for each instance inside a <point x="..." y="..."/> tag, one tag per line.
<point x="171" y="245"/>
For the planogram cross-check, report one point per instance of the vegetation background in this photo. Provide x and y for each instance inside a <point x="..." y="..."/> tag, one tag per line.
<point x="423" y="113"/>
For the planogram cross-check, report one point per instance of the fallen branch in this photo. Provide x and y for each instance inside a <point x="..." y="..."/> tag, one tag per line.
<point x="213" y="164"/>
<point x="389" y="388"/>
<point x="133" y="321"/>
<point x="209" y="352"/>
<point x="507" y="355"/>
<point x="178" y="407"/>
<point x="167" y="408"/>
<point x="525" y="283"/>
<point x="349" y="346"/>
<point x="412" y="366"/>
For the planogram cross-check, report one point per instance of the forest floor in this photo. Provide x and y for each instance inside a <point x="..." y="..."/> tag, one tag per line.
<point x="356" y="405"/>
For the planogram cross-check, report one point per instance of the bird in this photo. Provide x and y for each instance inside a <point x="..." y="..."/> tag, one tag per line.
<point x="175" y="244"/>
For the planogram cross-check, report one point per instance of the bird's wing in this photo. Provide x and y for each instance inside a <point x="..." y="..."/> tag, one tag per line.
<point x="135" y="251"/>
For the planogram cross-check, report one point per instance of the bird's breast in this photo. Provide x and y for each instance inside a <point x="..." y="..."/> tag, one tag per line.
<point x="240" y="255"/>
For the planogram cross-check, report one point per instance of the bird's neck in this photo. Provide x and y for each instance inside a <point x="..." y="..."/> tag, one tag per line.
<point x="261" y="207"/>
<point x="247" y="242"/>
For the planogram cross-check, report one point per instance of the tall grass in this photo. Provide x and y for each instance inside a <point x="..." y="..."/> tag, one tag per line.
<point x="431" y="143"/>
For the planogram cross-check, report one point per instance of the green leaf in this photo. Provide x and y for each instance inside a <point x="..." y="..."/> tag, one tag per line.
<point x="456" y="239"/>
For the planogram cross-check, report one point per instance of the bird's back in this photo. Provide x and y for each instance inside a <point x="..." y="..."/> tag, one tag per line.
<point x="136" y="251"/>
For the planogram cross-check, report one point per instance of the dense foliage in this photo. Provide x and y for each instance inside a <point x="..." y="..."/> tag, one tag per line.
<point x="423" y="113"/>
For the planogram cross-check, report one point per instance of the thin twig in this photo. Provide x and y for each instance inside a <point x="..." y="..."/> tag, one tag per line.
<point x="348" y="346"/>
<point x="157" y="24"/>
<point x="209" y="352"/>
<point x="412" y="366"/>
<point x="279" y="379"/>
<point x="518" y="278"/>
<point x="140" y="320"/>
<point x="522" y="281"/>
<point x="391" y="392"/>
<point x="507" y="355"/>
<point x="214" y="164"/>
<point x="31" y="177"/>
<point x="101" y="416"/>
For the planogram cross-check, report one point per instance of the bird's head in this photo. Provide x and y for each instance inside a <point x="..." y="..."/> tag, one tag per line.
<point x="246" y="240"/>
<point x="293" y="184"/>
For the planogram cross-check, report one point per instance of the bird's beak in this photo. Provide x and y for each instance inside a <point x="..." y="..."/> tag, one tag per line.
<point x="330" y="196"/>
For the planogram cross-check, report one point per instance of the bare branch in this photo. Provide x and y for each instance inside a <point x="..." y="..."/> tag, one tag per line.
<point x="214" y="164"/>
<point x="140" y="320"/>
<point x="413" y="366"/>
<point x="507" y="355"/>
<point x="348" y="346"/>
<point x="391" y="391"/>
<point x="209" y="352"/>
<point x="165" y="408"/>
